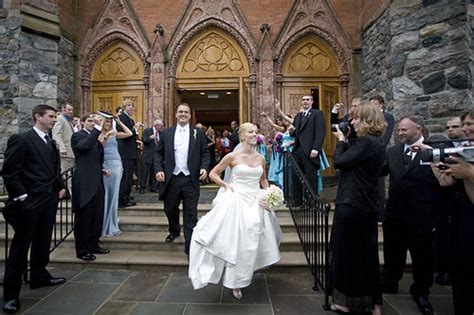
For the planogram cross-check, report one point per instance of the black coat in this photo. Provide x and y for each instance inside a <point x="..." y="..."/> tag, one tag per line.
<point x="198" y="156"/>
<point x="309" y="133"/>
<point x="390" y="120"/>
<point x="149" y="145"/>
<point x="127" y="147"/>
<point x="87" y="177"/>
<point x="360" y="165"/>
<point x="414" y="191"/>
<point x="29" y="168"/>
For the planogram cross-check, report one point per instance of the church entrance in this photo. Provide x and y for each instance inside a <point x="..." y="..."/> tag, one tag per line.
<point x="213" y="108"/>
<point x="213" y="78"/>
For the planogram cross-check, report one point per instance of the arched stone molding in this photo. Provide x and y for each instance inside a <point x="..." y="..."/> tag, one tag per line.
<point x="342" y="55"/>
<point x="116" y="21"/>
<point x="181" y="43"/>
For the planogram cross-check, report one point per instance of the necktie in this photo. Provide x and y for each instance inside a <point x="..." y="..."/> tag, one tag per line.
<point x="406" y="157"/>
<point x="157" y="138"/>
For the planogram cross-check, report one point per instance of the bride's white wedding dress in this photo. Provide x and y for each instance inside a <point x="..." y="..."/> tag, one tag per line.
<point x="236" y="233"/>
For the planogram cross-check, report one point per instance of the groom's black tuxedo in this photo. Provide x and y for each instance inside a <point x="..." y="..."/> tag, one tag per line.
<point x="179" y="187"/>
<point x="31" y="167"/>
<point x="309" y="135"/>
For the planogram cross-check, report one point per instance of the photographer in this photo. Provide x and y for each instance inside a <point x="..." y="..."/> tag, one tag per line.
<point x="460" y="174"/>
<point x="356" y="285"/>
<point x="346" y="119"/>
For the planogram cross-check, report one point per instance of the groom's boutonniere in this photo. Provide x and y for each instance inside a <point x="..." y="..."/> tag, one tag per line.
<point x="194" y="133"/>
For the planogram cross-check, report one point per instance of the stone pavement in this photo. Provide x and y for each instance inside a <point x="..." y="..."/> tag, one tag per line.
<point x="104" y="292"/>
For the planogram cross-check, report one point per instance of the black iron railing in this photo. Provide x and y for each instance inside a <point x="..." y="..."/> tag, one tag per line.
<point x="311" y="218"/>
<point x="64" y="224"/>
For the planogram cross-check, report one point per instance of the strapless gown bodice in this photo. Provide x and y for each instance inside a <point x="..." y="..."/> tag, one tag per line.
<point x="236" y="233"/>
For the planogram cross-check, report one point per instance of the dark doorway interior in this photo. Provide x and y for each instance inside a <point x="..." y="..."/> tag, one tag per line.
<point x="213" y="108"/>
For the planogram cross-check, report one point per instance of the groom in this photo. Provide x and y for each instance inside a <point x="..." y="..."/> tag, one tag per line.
<point x="181" y="160"/>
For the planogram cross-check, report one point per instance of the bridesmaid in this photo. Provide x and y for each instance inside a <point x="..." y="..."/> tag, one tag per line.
<point x="112" y="161"/>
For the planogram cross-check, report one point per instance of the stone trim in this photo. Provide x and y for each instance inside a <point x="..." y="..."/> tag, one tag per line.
<point x="339" y="51"/>
<point x="183" y="41"/>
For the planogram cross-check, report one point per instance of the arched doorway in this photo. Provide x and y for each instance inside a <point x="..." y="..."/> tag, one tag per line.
<point x="117" y="76"/>
<point x="213" y="77"/>
<point x="310" y="67"/>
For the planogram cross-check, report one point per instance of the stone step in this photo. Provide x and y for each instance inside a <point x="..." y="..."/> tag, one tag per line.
<point x="64" y="257"/>
<point x="156" y="241"/>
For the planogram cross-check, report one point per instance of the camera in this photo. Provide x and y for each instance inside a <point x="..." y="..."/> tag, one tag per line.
<point x="344" y="126"/>
<point x="442" y="154"/>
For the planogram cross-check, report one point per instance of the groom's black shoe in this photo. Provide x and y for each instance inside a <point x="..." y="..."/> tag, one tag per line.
<point x="11" y="306"/>
<point x="170" y="238"/>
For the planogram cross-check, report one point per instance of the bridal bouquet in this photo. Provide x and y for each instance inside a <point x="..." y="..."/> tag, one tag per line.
<point x="272" y="198"/>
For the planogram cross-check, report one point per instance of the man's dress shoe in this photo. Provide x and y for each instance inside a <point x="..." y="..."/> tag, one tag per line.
<point x="128" y="204"/>
<point x="142" y="191"/>
<point x="99" y="249"/>
<point x="11" y="306"/>
<point x="170" y="238"/>
<point x="86" y="256"/>
<point x="443" y="278"/>
<point x="35" y="284"/>
<point x="424" y="306"/>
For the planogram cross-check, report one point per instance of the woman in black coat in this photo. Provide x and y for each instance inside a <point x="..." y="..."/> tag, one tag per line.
<point x="354" y="273"/>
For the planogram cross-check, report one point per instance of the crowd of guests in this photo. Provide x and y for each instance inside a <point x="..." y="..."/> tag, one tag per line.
<point x="428" y="203"/>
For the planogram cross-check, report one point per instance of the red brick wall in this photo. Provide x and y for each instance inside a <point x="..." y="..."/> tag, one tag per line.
<point x="371" y="9"/>
<point x="274" y="12"/>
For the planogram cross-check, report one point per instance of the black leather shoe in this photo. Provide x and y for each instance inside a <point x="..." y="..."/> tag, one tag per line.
<point x="129" y="204"/>
<point x="86" y="256"/>
<point x="424" y="306"/>
<point x="11" y="306"/>
<point x="170" y="238"/>
<point x="142" y="191"/>
<point x="34" y="284"/>
<point x="443" y="278"/>
<point x="99" y="249"/>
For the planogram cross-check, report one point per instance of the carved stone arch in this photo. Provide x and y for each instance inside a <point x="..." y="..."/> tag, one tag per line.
<point x="99" y="47"/>
<point x="176" y="51"/>
<point x="338" y="49"/>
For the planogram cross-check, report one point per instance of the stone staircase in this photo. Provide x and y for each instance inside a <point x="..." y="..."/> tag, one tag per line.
<point x="142" y="246"/>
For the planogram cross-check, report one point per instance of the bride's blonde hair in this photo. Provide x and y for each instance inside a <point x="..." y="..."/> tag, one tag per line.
<point x="244" y="128"/>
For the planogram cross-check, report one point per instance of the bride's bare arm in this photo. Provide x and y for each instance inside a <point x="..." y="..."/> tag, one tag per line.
<point x="214" y="175"/>
<point x="263" y="178"/>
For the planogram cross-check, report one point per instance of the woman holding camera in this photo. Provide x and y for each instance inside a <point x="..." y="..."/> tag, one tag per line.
<point x="354" y="273"/>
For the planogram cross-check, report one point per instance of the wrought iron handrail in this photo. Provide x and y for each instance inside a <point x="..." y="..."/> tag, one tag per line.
<point x="63" y="227"/>
<point x="311" y="219"/>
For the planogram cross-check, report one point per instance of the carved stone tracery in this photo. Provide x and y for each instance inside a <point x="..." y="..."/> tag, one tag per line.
<point x="176" y="52"/>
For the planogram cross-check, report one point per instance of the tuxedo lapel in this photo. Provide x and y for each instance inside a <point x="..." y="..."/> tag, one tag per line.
<point x="42" y="149"/>
<point x="303" y="120"/>
<point x="192" y="141"/>
<point x="414" y="162"/>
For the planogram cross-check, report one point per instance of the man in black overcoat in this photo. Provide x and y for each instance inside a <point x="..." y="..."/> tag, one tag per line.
<point x="31" y="173"/>
<point x="181" y="161"/>
<point x="150" y="140"/>
<point x="127" y="148"/>
<point x="88" y="189"/>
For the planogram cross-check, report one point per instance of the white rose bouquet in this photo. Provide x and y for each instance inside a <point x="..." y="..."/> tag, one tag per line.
<point x="272" y="198"/>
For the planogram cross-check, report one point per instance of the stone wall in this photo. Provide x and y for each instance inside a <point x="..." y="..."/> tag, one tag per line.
<point x="66" y="71"/>
<point x="9" y="74"/>
<point x="418" y="55"/>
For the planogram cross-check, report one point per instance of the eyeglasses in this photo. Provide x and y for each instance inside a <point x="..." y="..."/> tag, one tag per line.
<point x="454" y="127"/>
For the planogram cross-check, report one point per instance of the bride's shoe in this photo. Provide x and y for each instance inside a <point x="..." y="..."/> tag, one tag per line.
<point x="237" y="293"/>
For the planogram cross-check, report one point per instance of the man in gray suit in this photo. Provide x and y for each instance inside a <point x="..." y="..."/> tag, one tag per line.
<point x="62" y="133"/>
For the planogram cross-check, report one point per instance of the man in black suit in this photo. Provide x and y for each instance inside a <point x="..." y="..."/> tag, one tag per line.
<point x="181" y="161"/>
<point x="234" y="137"/>
<point x="410" y="214"/>
<point x="309" y="133"/>
<point x="128" y="152"/>
<point x="31" y="173"/>
<point x="347" y="118"/>
<point x="88" y="189"/>
<point x="150" y="140"/>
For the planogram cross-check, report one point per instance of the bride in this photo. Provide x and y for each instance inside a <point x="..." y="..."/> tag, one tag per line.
<point x="236" y="233"/>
